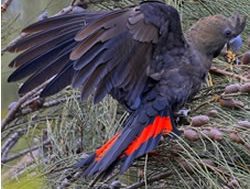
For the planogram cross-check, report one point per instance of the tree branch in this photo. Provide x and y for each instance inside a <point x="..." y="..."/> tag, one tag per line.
<point x="150" y="180"/>
<point x="15" y="156"/>
<point x="11" y="141"/>
<point x="226" y="73"/>
<point x="5" y="5"/>
<point x="12" y="113"/>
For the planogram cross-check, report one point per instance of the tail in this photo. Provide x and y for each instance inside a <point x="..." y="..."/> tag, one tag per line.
<point x="136" y="139"/>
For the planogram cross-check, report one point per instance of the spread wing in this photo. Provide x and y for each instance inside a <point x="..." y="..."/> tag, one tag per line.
<point x="100" y="52"/>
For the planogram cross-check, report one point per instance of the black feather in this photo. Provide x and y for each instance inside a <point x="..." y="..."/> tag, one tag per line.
<point x="39" y="62"/>
<point x="85" y="161"/>
<point x="40" y="49"/>
<point x="42" y="36"/>
<point x="62" y="80"/>
<point x="53" y="22"/>
<point x="145" y="148"/>
<point x="89" y="56"/>
<point x="48" y="71"/>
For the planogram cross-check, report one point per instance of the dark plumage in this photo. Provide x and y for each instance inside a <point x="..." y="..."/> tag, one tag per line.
<point x="139" y="55"/>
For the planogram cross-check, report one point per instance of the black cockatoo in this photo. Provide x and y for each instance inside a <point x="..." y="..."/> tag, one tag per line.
<point x="139" y="55"/>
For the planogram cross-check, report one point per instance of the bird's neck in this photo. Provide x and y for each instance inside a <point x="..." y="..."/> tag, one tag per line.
<point x="200" y="56"/>
<point x="200" y="43"/>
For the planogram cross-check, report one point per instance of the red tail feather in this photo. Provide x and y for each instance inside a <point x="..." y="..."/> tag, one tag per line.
<point x="159" y="126"/>
<point x="127" y="145"/>
<point x="103" y="149"/>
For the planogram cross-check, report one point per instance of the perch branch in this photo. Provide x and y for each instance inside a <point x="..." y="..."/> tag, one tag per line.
<point x="23" y="152"/>
<point x="45" y="105"/>
<point x="5" y="5"/>
<point x="10" y="142"/>
<point x="12" y="113"/>
<point x="226" y="73"/>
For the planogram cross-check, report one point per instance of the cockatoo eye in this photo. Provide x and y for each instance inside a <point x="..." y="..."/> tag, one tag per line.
<point x="227" y="32"/>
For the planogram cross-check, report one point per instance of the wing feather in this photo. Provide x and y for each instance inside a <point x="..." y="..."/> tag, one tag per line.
<point x="47" y="71"/>
<point x="109" y="52"/>
<point x="41" y="49"/>
<point x="61" y="80"/>
<point x="36" y="64"/>
<point x="105" y="22"/>
<point x="41" y="37"/>
<point x="60" y="20"/>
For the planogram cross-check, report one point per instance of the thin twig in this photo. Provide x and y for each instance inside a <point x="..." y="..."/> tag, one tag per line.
<point x="150" y="180"/>
<point x="65" y="183"/>
<point x="230" y="74"/>
<point x="25" y="162"/>
<point x="38" y="120"/>
<point x="23" y="152"/>
<point x="72" y="2"/>
<point x="11" y="141"/>
<point x="94" y="181"/>
<point x="145" y="171"/>
<point x="12" y="113"/>
<point x="30" y="101"/>
<point x="44" y="105"/>
<point x="213" y="99"/>
<point x="5" y="5"/>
